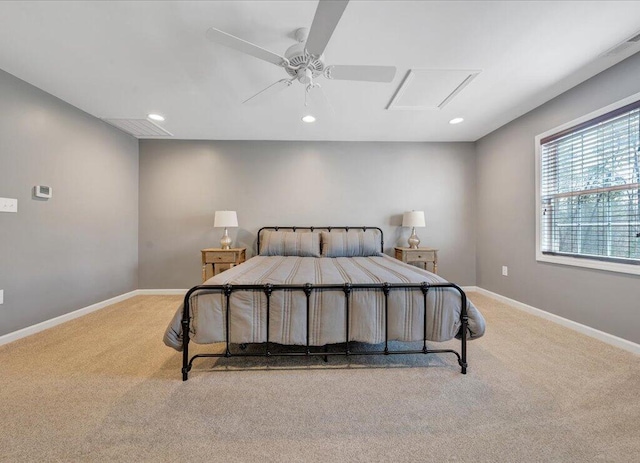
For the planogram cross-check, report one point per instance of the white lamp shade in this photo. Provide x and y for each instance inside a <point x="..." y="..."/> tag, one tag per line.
<point x="413" y="219"/>
<point x="225" y="219"/>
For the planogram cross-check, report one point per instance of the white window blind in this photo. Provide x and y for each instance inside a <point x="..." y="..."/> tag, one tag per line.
<point x="589" y="188"/>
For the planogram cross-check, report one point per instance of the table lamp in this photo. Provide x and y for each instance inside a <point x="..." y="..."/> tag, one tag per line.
<point x="225" y="219"/>
<point x="413" y="219"/>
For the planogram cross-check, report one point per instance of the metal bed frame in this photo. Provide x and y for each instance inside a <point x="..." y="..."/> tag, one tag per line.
<point x="308" y="289"/>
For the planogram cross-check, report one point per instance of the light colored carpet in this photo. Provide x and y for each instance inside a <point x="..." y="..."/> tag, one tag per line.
<point x="105" y="388"/>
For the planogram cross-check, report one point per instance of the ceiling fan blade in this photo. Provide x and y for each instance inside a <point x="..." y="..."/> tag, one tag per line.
<point x="362" y="73"/>
<point x="270" y="90"/>
<point x="325" y="21"/>
<point x="231" y="41"/>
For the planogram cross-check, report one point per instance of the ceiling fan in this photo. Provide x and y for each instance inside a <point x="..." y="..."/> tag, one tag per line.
<point x="304" y="61"/>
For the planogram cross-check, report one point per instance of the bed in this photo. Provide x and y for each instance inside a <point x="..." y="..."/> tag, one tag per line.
<point x="321" y="286"/>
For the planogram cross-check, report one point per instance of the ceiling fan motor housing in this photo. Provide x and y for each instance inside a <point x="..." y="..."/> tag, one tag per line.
<point x="299" y="58"/>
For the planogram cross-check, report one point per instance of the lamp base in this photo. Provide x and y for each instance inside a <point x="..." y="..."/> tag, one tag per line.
<point x="413" y="240"/>
<point x="225" y="242"/>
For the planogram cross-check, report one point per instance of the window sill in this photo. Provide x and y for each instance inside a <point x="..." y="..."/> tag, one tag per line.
<point x="589" y="263"/>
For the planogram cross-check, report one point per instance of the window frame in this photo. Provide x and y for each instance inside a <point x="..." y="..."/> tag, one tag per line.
<point x="585" y="261"/>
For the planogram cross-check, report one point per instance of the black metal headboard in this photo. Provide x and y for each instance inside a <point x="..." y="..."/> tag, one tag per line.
<point x="323" y="228"/>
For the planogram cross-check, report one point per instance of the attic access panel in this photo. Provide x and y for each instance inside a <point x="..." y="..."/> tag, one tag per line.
<point x="424" y="89"/>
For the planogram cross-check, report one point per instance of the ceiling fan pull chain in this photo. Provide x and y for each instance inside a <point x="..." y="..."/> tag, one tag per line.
<point x="308" y="88"/>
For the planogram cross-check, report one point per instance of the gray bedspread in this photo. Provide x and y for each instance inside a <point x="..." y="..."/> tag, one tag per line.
<point x="327" y="308"/>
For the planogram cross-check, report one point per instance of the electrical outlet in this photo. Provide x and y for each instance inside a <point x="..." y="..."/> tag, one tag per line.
<point x="1" y="296"/>
<point x="505" y="271"/>
<point x="8" y="205"/>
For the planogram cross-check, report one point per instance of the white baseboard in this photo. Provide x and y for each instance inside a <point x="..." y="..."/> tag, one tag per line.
<point x="33" y="329"/>
<point x="584" y="329"/>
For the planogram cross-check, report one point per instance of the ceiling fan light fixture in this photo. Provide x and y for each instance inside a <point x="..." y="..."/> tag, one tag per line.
<point x="456" y="120"/>
<point x="308" y="119"/>
<point x="155" y="117"/>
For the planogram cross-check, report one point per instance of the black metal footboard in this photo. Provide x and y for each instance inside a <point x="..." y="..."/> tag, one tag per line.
<point x="308" y="289"/>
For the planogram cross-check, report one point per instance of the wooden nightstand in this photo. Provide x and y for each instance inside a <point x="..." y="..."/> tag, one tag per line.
<point x="220" y="260"/>
<point x="424" y="255"/>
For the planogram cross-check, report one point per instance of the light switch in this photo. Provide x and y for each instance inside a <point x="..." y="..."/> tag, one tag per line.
<point x="8" y="205"/>
<point x="1" y="296"/>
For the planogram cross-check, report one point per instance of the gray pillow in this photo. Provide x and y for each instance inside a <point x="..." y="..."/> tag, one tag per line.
<point x="351" y="244"/>
<point x="279" y="243"/>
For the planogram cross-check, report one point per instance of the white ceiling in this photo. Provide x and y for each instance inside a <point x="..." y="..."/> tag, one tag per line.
<point x="127" y="59"/>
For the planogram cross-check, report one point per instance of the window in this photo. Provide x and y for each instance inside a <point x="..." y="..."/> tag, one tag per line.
<point x="588" y="182"/>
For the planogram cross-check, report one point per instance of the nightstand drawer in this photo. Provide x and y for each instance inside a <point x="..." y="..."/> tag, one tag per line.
<point x="419" y="256"/>
<point x="219" y="257"/>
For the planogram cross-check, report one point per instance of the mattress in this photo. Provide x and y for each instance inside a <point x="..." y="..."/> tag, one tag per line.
<point x="327" y="313"/>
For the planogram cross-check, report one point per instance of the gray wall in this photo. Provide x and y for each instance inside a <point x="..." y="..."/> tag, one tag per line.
<point x="506" y="216"/>
<point x="182" y="183"/>
<point x="80" y="247"/>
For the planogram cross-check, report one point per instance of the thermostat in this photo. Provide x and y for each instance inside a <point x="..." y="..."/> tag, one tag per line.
<point x="41" y="191"/>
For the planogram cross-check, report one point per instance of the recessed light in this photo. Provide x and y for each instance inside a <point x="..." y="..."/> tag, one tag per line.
<point x="456" y="120"/>
<point x="309" y="119"/>
<point x="155" y="117"/>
